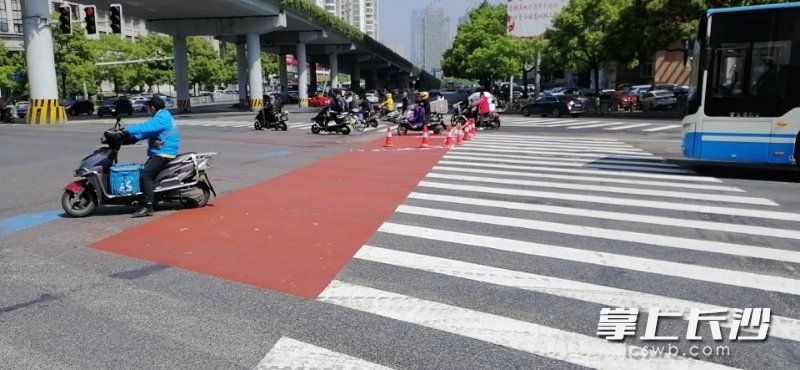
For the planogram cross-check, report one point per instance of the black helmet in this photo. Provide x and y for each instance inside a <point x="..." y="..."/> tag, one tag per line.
<point x="156" y="103"/>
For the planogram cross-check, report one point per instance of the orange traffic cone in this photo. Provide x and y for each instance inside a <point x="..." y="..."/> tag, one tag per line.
<point x="425" y="137"/>
<point x="468" y="131"/>
<point x="388" y="143"/>
<point x="460" y="134"/>
<point x="448" y="142"/>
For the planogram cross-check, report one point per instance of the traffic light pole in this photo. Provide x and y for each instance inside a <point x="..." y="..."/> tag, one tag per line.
<point x="45" y="107"/>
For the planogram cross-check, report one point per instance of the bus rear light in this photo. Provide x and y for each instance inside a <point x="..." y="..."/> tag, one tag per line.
<point x="779" y="154"/>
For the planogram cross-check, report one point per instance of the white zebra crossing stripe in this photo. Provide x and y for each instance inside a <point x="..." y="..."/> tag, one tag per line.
<point x="552" y="138"/>
<point x="733" y="249"/>
<point x="782" y="327"/>
<point x="662" y="128"/>
<point x="564" y="164"/>
<point x="520" y="335"/>
<point x="582" y="171"/>
<point x="639" y="203"/>
<point x="288" y="353"/>
<point x="548" y="152"/>
<point x="627" y="127"/>
<point x="595" y="126"/>
<point x="603" y="160"/>
<point x="573" y="147"/>
<point x="653" y="266"/>
<point x="574" y="123"/>
<point x="617" y="216"/>
<point x="604" y="179"/>
<point x="609" y="189"/>
<point x="614" y="145"/>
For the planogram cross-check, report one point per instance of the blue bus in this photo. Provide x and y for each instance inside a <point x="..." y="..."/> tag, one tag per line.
<point x="744" y="105"/>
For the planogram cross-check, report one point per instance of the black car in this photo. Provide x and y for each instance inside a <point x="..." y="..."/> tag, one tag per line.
<point x="110" y="107"/>
<point x="555" y="106"/>
<point x="81" y="107"/>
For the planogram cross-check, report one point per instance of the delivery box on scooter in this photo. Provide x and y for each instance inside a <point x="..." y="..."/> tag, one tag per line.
<point x="125" y="178"/>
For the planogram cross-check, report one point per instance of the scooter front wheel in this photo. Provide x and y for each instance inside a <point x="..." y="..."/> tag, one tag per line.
<point x="257" y="126"/>
<point x="315" y="129"/>
<point x="282" y="126"/>
<point x="78" y="206"/>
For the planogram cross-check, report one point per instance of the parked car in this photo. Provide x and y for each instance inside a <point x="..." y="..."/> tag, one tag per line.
<point x="641" y="89"/>
<point x="291" y="97"/>
<point x="109" y="107"/>
<point x="625" y="100"/>
<point x="80" y="107"/>
<point x="22" y="108"/>
<point x="658" y="99"/>
<point x="319" y="100"/>
<point x="555" y="106"/>
<point x="139" y="105"/>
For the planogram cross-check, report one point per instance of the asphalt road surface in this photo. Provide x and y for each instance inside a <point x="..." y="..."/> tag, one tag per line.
<point x="330" y="251"/>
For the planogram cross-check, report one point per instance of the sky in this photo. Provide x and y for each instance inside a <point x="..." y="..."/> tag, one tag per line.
<point x="395" y="17"/>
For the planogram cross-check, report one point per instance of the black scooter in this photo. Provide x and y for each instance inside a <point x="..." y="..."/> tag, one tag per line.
<point x="6" y="116"/>
<point x="280" y="123"/>
<point x="323" y="122"/>
<point x="182" y="180"/>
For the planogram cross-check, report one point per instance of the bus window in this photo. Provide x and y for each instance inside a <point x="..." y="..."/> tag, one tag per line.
<point x="770" y="65"/>
<point x="729" y="73"/>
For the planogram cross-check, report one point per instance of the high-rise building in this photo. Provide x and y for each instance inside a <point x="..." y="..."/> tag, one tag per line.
<point x="362" y="14"/>
<point x="430" y="37"/>
<point x="11" y="22"/>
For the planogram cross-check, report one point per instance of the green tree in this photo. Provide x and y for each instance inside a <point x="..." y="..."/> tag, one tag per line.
<point x="205" y="65"/>
<point x="112" y="48"/>
<point x="11" y="63"/>
<point x="75" y="57"/>
<point x="579" y="32"/>
<point x="482" y="50"/>
<point x="647" y="26"/>
<point x="154" y="73"/>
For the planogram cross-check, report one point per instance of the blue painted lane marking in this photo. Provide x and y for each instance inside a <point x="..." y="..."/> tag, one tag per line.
<point x="277" y="154"/>
<point x="22" y="222"/>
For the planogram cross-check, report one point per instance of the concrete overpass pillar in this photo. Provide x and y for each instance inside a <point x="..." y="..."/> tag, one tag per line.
<point x="283" y="72"/>
<point x="312" y="69"/>
<point x="302" y="74"/>
<point x="45" y="107"/>
<point x="334" y="66"/>
<point x="373" y="78"/>
<point x="181" y="73"/>
<point x="241" y="61"/>
<point x="256" y="73"/>
<point x="355" y="78"/>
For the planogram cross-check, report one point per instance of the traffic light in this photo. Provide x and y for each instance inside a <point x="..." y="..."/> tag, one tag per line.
<point x="64" y="20"/>
<point x="91" y="22"/>
<point x="115" y="18"/>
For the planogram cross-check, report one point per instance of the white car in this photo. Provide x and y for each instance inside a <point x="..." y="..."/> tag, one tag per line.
<point x="658" y="99"/>
<point x="372" y="98"/>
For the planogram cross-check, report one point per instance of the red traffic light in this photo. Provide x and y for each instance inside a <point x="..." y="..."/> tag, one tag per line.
<point x="89" y="11"/>
<point x="64" y="11"/>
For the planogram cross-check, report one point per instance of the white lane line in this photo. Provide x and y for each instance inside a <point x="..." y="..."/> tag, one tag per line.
<point x="590" y="179"/>
<point x="575" y="123"/>
<point x="574" y="147"/>
<point x="662" y="128"/>
<point x="595" y="126"/>
<point x="548" y="152"/>
<point x="616" y="216"/>
<point x="609" y="189"/>
<point x="652" y="266"/>
<point x="566" y="164"/>
<point x="604" y="160"/>
<point x="627" y="127"/>
<point x="782" y="327"/>
<point x="583" y="171"/>
<point x="562" y="149"/>
<point x="520" y="335"/>
<point x="537" y="139"/>
<point x="733" y="249"/>
<point x="516" y="334"/>
<point x="288" y="353"/>
<point x="551" y="138"/>
<point x="640" y="203"/>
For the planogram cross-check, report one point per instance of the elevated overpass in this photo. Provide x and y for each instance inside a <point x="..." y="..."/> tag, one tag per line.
<point x="296" y="27"/>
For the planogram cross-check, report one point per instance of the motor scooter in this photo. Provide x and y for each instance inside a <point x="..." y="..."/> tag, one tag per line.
<point x="103" y="182"/>
<point x="6" y="116"/>
<point x="323" y="122"/>
<point x="280" y="123"/>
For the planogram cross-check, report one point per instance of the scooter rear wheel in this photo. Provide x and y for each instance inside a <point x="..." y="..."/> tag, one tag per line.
<point x="257" y="126"/>
<point x="78" y="206"/>
<point x="283" y="126"/>
<point x="315" y="129"/>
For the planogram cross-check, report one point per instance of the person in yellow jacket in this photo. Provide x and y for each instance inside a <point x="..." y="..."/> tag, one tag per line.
<point x="388" y="104"/>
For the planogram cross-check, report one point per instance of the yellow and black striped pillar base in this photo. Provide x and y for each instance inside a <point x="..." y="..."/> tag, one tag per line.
<point x="46" y="112"/>
<point x="184" y="105"/>
<point x="256" y="104"/>
<point x="244" y="102"/>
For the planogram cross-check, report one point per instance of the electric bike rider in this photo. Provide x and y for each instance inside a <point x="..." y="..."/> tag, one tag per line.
<point x="163" y="141"/>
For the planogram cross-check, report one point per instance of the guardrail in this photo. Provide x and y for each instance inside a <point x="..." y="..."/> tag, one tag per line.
<point x="218" y="98"/>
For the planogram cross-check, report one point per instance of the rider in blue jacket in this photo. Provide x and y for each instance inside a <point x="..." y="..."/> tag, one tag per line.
<point x="163" y="139"/>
